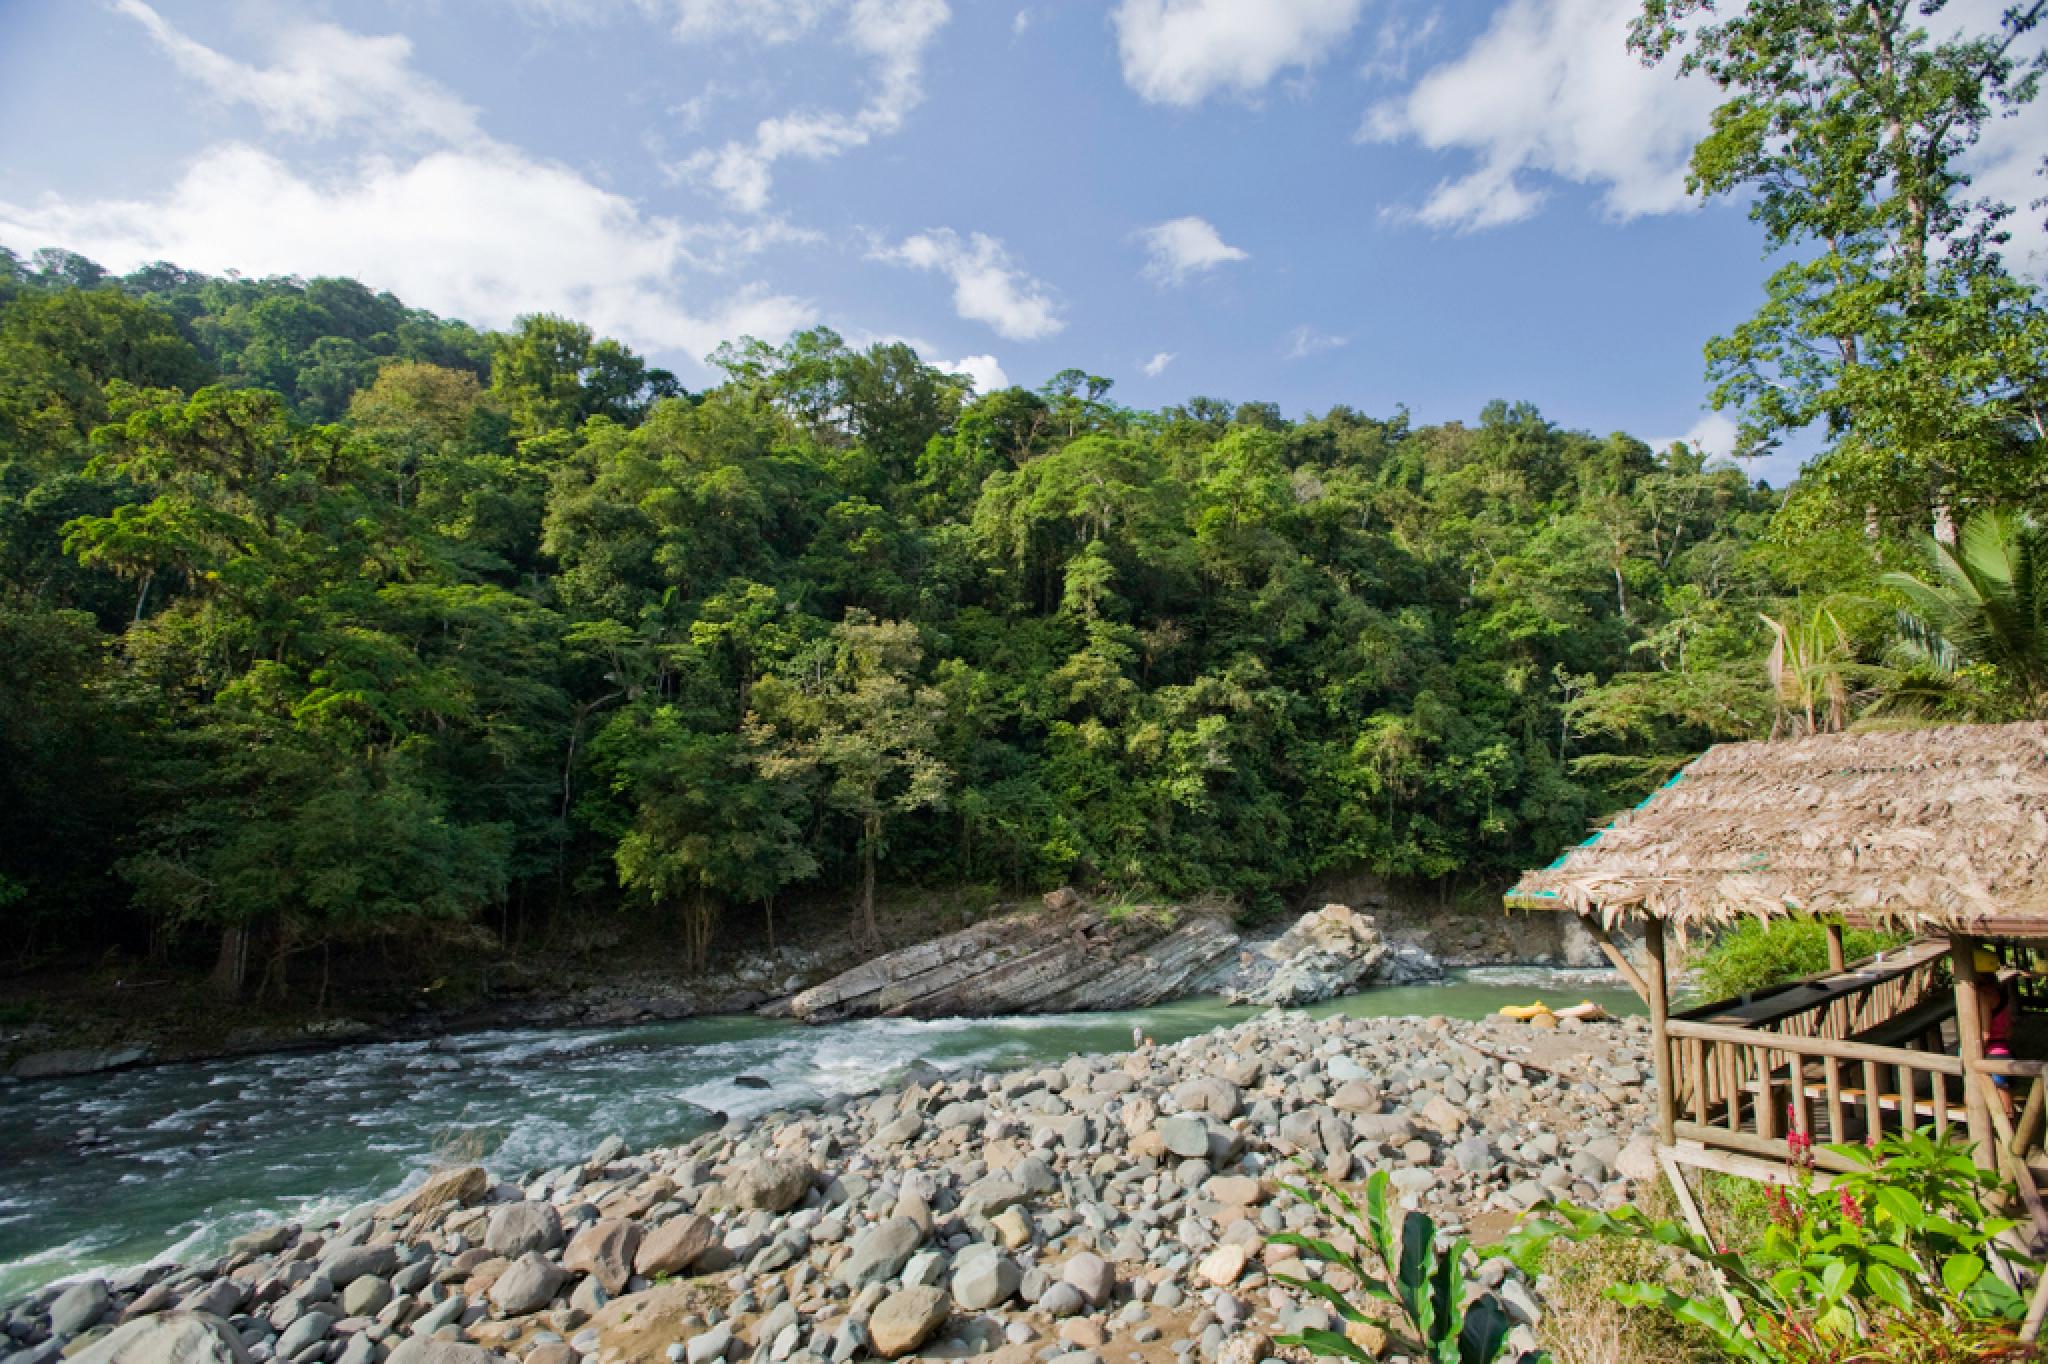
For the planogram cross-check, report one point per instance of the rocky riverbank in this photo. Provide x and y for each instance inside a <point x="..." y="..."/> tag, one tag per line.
<point x="1116" y="1208"/>
<point x="1063" y="956"/>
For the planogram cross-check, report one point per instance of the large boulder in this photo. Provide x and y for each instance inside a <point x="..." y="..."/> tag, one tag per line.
<point x="427" y="1350"/>
<point x="461" y="1186"/>
<point x="675" y="1245"/>
<point x="984" y="1278"/>
<point x="350" y="1263"/>
<point x="78" y="1307"/>
<point x="907" y="1319"/>
<point x="517" y="1228"/>
<point x="773" y="1185"/>
<point x="605" y="1250"/>
<point x="880" y="1252"/>
<point x="169" y="1338"/>
<point x="1327" y="952"/>
<point x="528" y="1285"/>
<point x="44" y="1065"/>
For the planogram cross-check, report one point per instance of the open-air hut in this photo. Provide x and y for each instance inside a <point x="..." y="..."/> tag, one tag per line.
<point x="1938" y="833"/>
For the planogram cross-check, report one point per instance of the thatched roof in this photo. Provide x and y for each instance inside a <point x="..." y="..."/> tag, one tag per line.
<point x="1918" y="829"/>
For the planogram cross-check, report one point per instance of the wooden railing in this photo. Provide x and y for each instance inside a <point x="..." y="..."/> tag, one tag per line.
<point x="1838" y="1003"/>
<point x="1747" y="1090"/>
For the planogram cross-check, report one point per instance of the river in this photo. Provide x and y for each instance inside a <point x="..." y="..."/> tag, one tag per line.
<point x="104" y="1171"/>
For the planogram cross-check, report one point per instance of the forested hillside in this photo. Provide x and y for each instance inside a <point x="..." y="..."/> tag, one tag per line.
<point x="323" y="618"/>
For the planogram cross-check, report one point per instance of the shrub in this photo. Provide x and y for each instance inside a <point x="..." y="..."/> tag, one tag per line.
<point x="1905" y="1237"/>
<point x="1754" y="954"/>
<point x="1421" y="1275"/>
<point x="1583" y="1324"/>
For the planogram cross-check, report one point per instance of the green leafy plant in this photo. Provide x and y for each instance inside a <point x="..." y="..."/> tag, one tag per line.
<point x="1423" y="1275"/>
<point x="1904" y="1236"/>
<point x="1754" y="954"/>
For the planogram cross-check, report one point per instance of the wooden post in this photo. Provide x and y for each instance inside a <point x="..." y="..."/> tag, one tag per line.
<point x="1615" y="955"/>
<point x="1962" y="951"/>
<point x="1660" y="1039"/>
<point x="1838" y="955"/>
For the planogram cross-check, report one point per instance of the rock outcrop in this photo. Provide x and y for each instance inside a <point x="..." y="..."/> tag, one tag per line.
<point x="1067" y="958"/>
<point x="1328" y="952"/>
<point x="1073" y="958"/>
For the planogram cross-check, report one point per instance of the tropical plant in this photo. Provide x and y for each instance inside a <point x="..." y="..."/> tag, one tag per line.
<point x="1974" y="632"/>
<point x="1906" y="1234"/>
<point x="1814" y="674"/>
<point x="1419" y="1273"/>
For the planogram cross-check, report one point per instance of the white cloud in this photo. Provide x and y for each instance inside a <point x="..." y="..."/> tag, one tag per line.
<point x="892" y="35"/>
<point x="985" y="370"/>
<point x="1305" y="341"/>
<point x="1021" y="25"/>
<point x="1550" y="88"/>
<point x="1183" y="51"/>
<point x="1713" y="435"/>
<point x="1183" y="247"/>
<point x="322" y="78"/>
<point x="1396" y="46"/>
<point x="721" y="247"/>
<point x="763" y="21"/>
<point x="987" y="286"/>
<point x="484" y="234"/>
<point x="2006" y="166"/>
<point x="1156" y="366"/>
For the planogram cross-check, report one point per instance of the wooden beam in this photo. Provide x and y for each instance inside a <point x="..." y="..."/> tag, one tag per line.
<point x="1660" y="1024"/>
<point x="1962" y="952"/>
<point x="2029" y="1128"/>
<point x="1756" y="1168"/>
<point x="2030" y="1329"/>
<point x="1839" y="1048"/>
<point x="1615" y="955"/>
<point x="1750" y="1144"/>
<point x="2014" y="1165"/>
<point x="1690" y="1208"/>
<point x="1838" y="955"/>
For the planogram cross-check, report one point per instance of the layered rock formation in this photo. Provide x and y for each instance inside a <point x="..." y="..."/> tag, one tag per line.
<point x="1066" y="959"/>
<point x="1071" y="958"/>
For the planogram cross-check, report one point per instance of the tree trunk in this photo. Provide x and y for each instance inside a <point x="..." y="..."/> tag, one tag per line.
<point x="274" y="975"/>
<point x="870" y="931"/>
<point x="231" y="967"/>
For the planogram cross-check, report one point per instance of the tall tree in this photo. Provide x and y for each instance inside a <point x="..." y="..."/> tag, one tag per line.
<point x="869" y="728"/>
<point x="1894" y="323"/>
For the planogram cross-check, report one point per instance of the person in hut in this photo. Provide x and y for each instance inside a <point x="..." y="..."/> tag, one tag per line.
<point x="1998" y="1009"/>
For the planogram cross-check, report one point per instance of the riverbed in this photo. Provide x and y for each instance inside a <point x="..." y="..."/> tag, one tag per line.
<point x="102" y="1171"/>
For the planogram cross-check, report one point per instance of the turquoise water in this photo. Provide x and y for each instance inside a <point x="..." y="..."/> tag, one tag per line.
<point x="105" y="1171"/>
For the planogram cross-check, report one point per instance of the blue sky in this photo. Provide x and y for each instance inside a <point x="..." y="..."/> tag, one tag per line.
<point x="1375" y="202"/>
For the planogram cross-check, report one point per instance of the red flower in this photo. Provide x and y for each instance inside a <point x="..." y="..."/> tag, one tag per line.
<point x="1850" y="1209"/>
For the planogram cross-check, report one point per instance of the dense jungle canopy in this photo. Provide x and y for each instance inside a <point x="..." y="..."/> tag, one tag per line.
<point x="323" y="618"/>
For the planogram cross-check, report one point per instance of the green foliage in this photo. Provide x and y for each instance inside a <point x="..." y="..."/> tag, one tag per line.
<point x="1421" y="1275"/>
<point x="297" y="569"/>
<point x="1906" y="1234"/>
<point x="1974" y="633"/>
<point x="1753" y="954"/>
